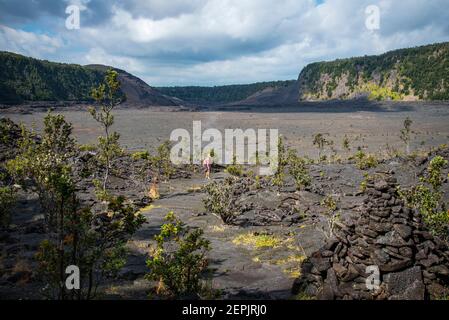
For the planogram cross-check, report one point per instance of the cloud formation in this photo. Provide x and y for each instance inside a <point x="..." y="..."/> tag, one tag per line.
<point x="212" y="42"/>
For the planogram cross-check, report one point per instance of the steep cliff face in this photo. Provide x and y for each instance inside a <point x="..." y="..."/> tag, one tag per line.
<point x="26" y="79"/>
<point x="420" y="73"/>
<point x="137" y="92"/>
<point x="226" y="94"/>
<point x="276" y="95"/>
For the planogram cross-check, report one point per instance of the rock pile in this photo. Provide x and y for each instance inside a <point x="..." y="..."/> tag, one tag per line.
<point x="386" y="237"/>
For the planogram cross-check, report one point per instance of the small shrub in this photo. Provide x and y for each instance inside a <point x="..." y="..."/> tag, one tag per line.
<point x="330" y="203"/>
<point x="426" y="197"/>
<point x="365" y="161"/>
<point x="434" y="176"/>
<point x="320" y="141"/>
<point x="219" y="198"/>
<point x="46" y="165"/>
<point x="298" y="169"/>
<point x="179" y="259"/>
<point x="87" y="147"/>
<point x="235" y="170"/>
<point x="364" y="182"/>
<point x="346" y="144"/>
<point x="257" y="183"/>
<point x="278" y="179"/>
<point x="332" y="216"/>
<point x="140" y="155"/>
<point x="161" y="161"/>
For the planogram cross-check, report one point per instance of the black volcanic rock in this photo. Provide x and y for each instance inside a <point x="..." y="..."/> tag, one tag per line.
<point x="412" y="263"/>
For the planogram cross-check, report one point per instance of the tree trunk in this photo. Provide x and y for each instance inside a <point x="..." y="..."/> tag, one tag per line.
<point x="61" y="250"/>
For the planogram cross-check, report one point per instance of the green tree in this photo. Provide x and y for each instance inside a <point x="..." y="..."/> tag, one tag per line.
<point x="346" y="144"/>
<point x="161" y="161"/>
<point x="93" y="241"/>
<point x="107" y="97"/>
<point x="47" y="163"/>
<point x="282" y="160"/>
<point x="320" y="141"/>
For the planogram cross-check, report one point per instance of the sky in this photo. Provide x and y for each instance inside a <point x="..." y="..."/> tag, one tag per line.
<point x="216" y="42"/>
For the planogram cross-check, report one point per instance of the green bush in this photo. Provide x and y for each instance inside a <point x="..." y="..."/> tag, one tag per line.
<point x="87" y="147"/>
<point x="297" y="168"/>
<point x="365" y="161"/>
<point x="179" y="260"/>
<point x="332" y="216"/>
<point x="426" y="197"/>
<point x="382" y="93"/>
<point x="46" y="164"/>
<point x="320" y="141"/>
<point x="141" y="155"/>
<point x="346" y="143"/>
<point x="95" y="243"/>
<point x="161" y="162"/>
<point x="235" y="170"/>
<point x="219" y="198"/>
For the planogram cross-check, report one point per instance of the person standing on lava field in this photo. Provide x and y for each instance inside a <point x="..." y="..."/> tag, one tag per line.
<point x="207" y="163"/>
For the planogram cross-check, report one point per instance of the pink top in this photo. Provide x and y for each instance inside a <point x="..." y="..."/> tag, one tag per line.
<point x="207" y="162"/>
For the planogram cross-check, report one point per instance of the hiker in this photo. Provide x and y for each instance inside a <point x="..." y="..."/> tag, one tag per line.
<point x="207" y="163"/>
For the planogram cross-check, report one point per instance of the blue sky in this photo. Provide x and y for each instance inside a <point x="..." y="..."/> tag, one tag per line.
<point x="214" y="42"/>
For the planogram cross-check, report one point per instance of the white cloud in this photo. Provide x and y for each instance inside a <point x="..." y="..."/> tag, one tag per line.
<point x="29" y="43"/>
<point x="99" y="56"/>
<point x="234" y="41"/>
